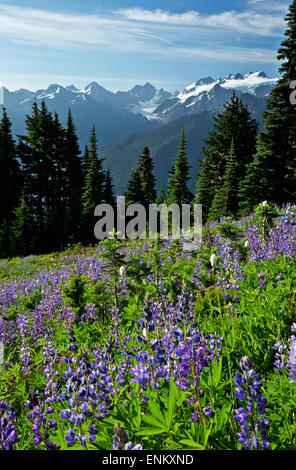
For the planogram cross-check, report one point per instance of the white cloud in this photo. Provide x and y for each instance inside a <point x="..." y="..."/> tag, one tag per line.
<point x="231" y="54"/>
<point x="269" y="5"/>
<point x="249" y="21"/>
<point x="159" y="33"/>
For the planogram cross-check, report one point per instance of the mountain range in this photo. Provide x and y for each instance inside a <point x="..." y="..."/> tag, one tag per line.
<point x="126" y="121"/>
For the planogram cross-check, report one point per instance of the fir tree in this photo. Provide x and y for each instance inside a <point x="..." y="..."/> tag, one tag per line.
<point x="56" y="209"/>
<point x="276" y="151"/>
<point x="225" y="201"/>
<point x="23" y="231"/>
<point x="10" y="177"/>
<point x="84" y="162"/>
<point x="233" y="124"/>
<point x="108" y="190"/>
<point x="74" y="182"/>
<point x="161" y="197"/>
<point x="135" y="194"/>
<point x="178" y="191"/>
<point x="93" y="191"/>
<point x="258" y="183"/>
<point x="41" y="152"/>
<point x="145" y="166"/>
<point x="206" y="185"/>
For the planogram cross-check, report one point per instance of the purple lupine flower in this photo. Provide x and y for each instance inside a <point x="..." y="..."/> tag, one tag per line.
<point x="248" y="388"/>
<point x="8" y="433"/>
<point x="194" y="416"/>
<point x="121" y="440"/>
<point x="280" y="356"/>
<point x="292" y="358"/>
<point x="65" y="414"/>
<point x="71" y="437"/>
<point x="208" y="411"/>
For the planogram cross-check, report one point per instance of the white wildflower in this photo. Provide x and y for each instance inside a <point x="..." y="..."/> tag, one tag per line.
<point x="213" y="260"/>
<point x="122" y="271"/>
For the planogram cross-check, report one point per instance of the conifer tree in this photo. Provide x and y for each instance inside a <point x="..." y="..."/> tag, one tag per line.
<point x="108" y="190"/>
<point x="233" y="124"/>
<point x="41" y="152"/>
<point x="225" y="201"/>
<point x="10" y="178"/>
<point x="84" y="162"/>
<point x="161" y="196"/>
<point x="272" y="175"/>
<point x="56" y="210"/>
<point x="23" y="231"/>
<point x="10" y="182"/>
<point x="135" y="194"/>
<point x="259" y="180"/>
<point x="178" y="191"/>
<point x="93" y="191"/>
<point x="206" y="185"/>
<point x="74" y="182"/>
<point x="145" y="166"/>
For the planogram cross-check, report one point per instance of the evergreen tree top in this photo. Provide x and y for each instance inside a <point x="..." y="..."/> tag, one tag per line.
<point x="287" y="51"/>
<point x="178" y="191"/>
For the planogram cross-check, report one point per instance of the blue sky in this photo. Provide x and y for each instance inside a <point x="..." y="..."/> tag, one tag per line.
<point x="122" y="43"/>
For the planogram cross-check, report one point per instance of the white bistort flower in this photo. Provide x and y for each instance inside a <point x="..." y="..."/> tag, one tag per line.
<point x="122" y="271"/>
<point x="213" y="260"/>
<point x="145" y="334"/>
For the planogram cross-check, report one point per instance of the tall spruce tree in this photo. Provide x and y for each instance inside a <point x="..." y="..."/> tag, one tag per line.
<point x="145" y="166"/>
<point x="206" y="184"/>
<point x="233" y="124"/>
<point x="134" y="193"/>
<point x="93" y="191"/>
<point x="225" y="201"/>
<point x="73" y="183"/>
<point x="41" y="152"/>
<point x="178" y="191"/>
<point x="272" y="174"/>
<point x="55" y="214"/>
<point x="10" y="177"/>
<point x="23" y="230"/>
<point x="84" y="162"/>
<point x="108" y="190"/>
<point x="10" y="182"/>
<point x="161" y="196"/>
<point x="258" y="183"/>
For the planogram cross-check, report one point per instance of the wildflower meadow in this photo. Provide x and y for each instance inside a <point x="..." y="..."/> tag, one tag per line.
<point x="141" y="344"/>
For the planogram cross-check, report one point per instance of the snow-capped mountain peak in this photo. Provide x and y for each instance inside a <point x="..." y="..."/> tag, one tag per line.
<point x="96" y="91"/>
<point x="248" y="82"/>
<point x="195" y="90"/>
<point x="244" y="83"/>
<point x="51" y="92"/>
<point x="210" y="94"/>
<point x="205" y="94"/>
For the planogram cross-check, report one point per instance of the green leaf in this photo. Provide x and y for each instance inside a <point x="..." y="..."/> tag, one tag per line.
<point x="171" y="403"/>
<point x="173" y="446"/>
<point x="216" y="369"/>
<point x="153" y="421"/>
<point x="150" y="431"/>
<point x="136" y="413"/>
<point x="102" y="445"/>
<point x="156" y="412"/>
<point x="191" y="444"/>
